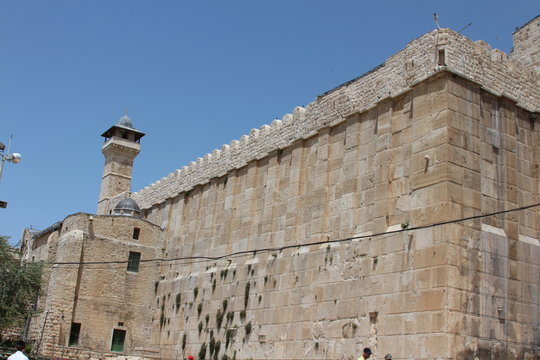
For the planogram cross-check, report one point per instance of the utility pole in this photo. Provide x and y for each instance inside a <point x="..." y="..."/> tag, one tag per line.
<point x="14" y="158"/>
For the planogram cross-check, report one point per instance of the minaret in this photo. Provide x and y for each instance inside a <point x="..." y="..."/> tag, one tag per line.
<point x="122" y="144"/>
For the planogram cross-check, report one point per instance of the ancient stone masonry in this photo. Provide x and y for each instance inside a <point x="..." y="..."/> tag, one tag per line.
<point x="413" y="293"/>
<point x="443" y="130"/>
<point x="337" y="227"/>
<point x="82" y="290"/>
<point x="440" y="50"/>
<point x="526" y="47"/>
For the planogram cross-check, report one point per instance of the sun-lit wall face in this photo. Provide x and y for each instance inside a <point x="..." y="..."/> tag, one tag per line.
<point x="435" y="144"/>
<point x="442" y="151"/>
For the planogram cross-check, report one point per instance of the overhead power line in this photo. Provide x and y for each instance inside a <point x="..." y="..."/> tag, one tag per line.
<point x="196" y="259"/>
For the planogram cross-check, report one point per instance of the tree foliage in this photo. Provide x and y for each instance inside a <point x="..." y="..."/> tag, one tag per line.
<point x="20" y="284"/>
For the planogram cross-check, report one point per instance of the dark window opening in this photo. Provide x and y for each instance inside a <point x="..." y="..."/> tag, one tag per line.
<point x="118" y="338"/>
<point x="133" y="261"/>
<point x="442" y="58"/>
<point x="74" y="334"/>
<point x="136" y="233"/>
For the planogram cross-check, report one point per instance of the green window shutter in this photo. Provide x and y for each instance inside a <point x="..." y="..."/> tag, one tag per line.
<point x="133" y="261"/>
<point x="118" y="338"/>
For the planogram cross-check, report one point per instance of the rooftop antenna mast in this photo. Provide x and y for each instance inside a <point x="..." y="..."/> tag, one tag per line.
<point x="463" y="28"/>
<point x="436" y="19"/>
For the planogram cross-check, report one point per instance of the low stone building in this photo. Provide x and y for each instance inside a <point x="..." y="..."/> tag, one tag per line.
<point x="397" y="211"/>
<point x="91" y="303"/>
<point x="99" y="292"/>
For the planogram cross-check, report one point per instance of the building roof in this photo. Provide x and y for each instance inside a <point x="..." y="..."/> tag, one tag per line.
<point x="51" y="228"/>
<point x="127" y="206"/>
<point x="125" y="124"/>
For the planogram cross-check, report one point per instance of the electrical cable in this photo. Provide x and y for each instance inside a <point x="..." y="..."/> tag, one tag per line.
<point x="196" y="259"/>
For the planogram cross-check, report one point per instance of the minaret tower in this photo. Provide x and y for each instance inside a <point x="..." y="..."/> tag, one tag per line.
<point x="122" y="144"/>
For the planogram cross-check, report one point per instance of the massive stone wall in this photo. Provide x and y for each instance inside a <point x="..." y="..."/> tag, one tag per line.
<point x="412" y="160"/>
<point x="493" y="157"/>
<point x="357" y="177"/>
<point x="443" y="130"/>
<point x="439" y="50"/>
<point x="320" y="302"/>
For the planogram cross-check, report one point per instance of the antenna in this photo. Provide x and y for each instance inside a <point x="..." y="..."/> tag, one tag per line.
<point x="436" y="19"/>
<point x="463" y="28"/>
<point x="10" y="141"/>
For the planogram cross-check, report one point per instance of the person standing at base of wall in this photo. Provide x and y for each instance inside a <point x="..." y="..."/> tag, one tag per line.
<point x="18" y="355"/>
<point x="366" y="354"/>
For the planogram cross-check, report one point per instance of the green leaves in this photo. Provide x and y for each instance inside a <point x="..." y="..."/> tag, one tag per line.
<point x="20" y="284"/>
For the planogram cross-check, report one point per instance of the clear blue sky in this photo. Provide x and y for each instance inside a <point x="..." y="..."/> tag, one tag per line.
<point x="193" y="75"/>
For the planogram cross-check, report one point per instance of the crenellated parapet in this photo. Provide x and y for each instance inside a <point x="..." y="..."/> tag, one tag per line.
<point x="438" y="51"/>
<point x="492" y="68"/>
<point x="257" y="145"/>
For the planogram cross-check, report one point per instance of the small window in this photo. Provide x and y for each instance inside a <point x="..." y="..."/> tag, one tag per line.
<point x="136" y="233"/>
<point x="442" y="57"/>
<point x="74" y="334"/>
<point x="118" y="338"/>
<point x="133" y="261"/>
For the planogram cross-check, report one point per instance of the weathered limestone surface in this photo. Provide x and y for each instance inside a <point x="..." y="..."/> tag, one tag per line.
<point x="100" y="297"/>
<point x="526" y="46"/>
<point x="443" y="292"/>
<point x="320" y="302"/>
<point x="418" y="61"/>
<point x="119" y="155"/>
<point x="443" y="130"/>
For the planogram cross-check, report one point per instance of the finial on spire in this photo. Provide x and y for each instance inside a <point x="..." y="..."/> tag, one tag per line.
<point x="125" y="120"/>
<point x="436" y="18"/>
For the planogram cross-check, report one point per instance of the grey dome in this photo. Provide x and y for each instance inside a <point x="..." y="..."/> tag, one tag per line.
<point x="125" y="121"/>
<point x="127" y="206"/>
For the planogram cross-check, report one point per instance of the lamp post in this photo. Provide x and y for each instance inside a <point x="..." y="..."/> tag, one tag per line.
<point x="14" y="158"/>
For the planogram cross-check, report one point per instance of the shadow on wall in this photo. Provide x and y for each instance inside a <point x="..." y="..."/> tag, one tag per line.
<point x="498" y="353"/>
